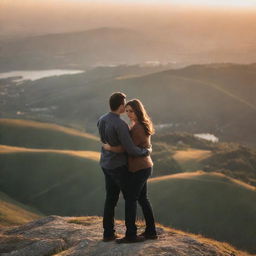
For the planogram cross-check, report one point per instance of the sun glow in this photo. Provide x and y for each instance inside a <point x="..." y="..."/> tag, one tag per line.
<point x="242" y="4"/>
<point x="235" y="3"/>
<point x="214" y="3"/>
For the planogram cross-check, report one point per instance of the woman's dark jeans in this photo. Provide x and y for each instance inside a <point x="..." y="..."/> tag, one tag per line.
<point x="136" y="190"/>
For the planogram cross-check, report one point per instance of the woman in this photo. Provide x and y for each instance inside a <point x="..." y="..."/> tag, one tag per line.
<point x="140" y="169"/>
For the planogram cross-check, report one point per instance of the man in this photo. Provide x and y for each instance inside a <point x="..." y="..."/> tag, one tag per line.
<point x="114" y="131"/>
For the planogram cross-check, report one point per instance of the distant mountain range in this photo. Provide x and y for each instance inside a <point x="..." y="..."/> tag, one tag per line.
<point x="113" y="46"/>
<point x="103" y="46"/>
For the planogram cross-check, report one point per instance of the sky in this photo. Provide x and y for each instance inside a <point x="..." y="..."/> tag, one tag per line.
<point x="35" y="17"/>
<point x="204" y="3"/>
<point x="222" y="3"/>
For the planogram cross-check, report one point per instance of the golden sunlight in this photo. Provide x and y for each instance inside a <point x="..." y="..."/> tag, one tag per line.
<point x="238" y="3"/>
<point x="214" y="3"/>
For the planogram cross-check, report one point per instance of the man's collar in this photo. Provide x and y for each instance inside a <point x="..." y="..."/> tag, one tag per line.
<point x="114" y="113"/>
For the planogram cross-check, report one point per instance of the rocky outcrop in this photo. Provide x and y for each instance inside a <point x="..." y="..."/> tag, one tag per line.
<point x="80" y="236"/>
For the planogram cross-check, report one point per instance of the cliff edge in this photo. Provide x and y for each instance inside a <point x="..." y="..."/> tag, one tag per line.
<point x="80" y="236"/>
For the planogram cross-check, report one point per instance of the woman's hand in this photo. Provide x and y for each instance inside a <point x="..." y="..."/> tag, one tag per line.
<point x="149" y="149"/>
<point x="106" y="146"/>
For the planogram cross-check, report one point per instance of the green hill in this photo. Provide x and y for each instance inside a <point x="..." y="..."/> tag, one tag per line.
<point x="26" y="133"/>
<point x="209" y="204"/>
<point x="238" y="162"/>
<point x="46" y="165"/>
<point x="55" y="182"/>
<point x="15" y="213"/>
<point x="182" y="152"/>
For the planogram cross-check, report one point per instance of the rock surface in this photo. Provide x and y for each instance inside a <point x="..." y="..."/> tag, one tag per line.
<point x="80" y="236"/>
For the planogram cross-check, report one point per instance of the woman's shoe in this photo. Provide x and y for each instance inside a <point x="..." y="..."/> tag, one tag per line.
<point x="148" y="236"/>
<point x="133" y="239"/>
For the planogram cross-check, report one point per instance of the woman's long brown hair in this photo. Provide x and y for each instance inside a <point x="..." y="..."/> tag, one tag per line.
<point x="142" y="115"/>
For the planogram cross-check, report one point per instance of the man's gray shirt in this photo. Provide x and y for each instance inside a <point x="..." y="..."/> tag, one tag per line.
<point x="114" y="131"/>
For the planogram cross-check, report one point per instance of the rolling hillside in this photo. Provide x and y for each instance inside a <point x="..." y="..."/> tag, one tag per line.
<point x="15" y="213"/>
<point x="209" y="204"/>
<point x="64" y="184"/>
<point x="53" y="182"/>
<point x="39" y="160"/>
<point x="183" y="152"/>
<point x="172" y="152"/>
<point x="25" y="133"/>
<point x="57" y="172"/>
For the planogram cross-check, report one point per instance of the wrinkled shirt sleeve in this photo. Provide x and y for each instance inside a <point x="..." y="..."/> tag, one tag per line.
<point x="127" y="143"/>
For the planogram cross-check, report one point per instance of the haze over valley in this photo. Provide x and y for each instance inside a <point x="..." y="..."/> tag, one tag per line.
<point x="131" y="33"/>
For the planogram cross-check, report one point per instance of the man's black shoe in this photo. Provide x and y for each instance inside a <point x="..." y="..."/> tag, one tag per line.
<point x="134" y="239"/>
<point x="148" y="236"/>
<point x="109" y="238"/>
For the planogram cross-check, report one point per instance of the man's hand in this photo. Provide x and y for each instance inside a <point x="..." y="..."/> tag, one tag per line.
<point x="106" y="146"/>
<point x="116" y="149"/>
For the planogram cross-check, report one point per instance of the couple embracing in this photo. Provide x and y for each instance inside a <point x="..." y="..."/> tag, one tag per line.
<point x="127" y="165"/>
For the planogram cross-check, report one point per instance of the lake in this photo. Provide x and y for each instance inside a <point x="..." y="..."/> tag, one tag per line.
<point x="207" y="136"/>
<point x="38" y="74"/>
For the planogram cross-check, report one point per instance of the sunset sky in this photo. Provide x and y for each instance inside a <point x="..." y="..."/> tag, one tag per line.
<point x="222" y="3"/>
<point x="33" y="17"/>
<point x="230" y="3"/>
<point x="216" y="3"/>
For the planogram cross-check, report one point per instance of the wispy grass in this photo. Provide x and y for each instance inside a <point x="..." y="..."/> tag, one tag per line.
<point x="15" y="213"/>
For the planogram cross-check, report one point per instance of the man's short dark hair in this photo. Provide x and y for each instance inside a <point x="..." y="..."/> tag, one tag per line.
<point x="116" y="99"/>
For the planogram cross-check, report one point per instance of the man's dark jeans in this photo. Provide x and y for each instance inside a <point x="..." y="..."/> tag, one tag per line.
<point x="114" y="182"/>
<point x="136" y="190"/>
